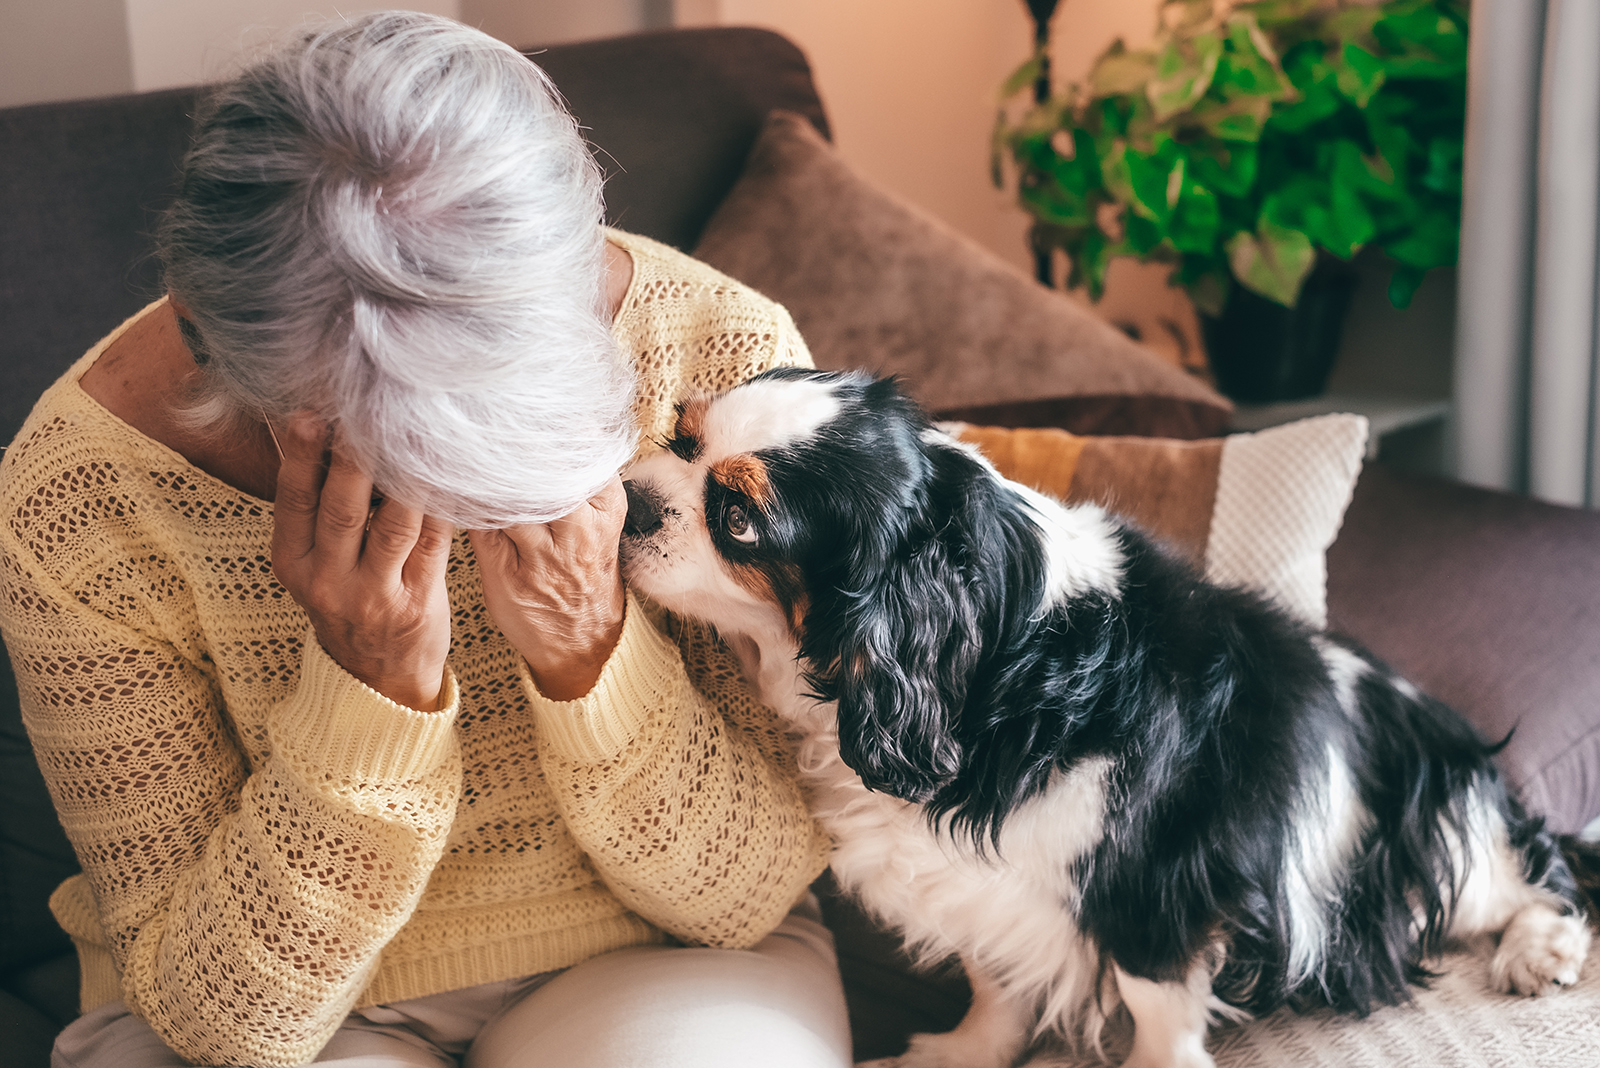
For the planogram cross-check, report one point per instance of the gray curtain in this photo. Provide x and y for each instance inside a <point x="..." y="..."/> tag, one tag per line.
<point x="1527" y="387"/>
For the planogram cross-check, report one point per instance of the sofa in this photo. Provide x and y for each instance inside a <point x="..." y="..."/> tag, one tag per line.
<point x="1490" y="601"/>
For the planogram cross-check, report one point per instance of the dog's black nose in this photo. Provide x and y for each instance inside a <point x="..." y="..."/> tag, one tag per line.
<point x="644" y="511"/>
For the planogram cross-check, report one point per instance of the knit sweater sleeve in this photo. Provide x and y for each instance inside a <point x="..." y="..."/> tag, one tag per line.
<point x="245" y="907"/>
<point x="675" y="779"/>
<point x="685" y="801"/>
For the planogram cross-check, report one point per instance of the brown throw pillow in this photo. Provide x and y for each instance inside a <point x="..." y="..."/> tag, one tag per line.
<point x="1257" y="510"/>
<point x="874" y="283"/>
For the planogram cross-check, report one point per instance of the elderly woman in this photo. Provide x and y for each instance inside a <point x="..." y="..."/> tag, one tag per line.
<point x="347" y="785"/>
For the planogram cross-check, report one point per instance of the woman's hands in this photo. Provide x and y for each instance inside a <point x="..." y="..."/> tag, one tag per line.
<point x="555" y="591"/>
<point x="373" y="587"/>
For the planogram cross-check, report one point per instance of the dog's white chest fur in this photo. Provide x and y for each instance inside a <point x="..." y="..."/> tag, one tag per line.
<point x="1008" y="911"/>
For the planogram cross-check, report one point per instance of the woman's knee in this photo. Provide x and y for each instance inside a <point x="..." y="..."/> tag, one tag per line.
<point x="112" y="1037"/>
<point x="780" y="1005"/>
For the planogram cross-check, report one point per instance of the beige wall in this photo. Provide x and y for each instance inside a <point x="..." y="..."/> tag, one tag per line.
<point x="910" y="86"/>
<point x="68" y="49"/>
<point x="62" y="50"/>
<point x="538" y="22"/>
<point x="182" y="42"/>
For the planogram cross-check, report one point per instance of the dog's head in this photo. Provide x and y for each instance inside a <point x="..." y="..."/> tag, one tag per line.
<point x="825" y="505"/>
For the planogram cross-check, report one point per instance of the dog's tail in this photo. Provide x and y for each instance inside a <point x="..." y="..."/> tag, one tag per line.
<point x="1583" y="858"/>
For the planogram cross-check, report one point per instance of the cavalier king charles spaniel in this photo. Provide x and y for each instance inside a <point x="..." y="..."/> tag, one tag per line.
<point x="1042" y="742"/>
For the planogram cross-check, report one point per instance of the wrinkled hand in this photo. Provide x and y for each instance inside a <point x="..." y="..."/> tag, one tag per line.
<point x="374" y="588"/>
<point x="555" y="590"/>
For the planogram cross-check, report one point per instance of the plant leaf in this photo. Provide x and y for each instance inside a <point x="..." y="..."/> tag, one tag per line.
<point x="1403" y="285"/>
<point x="1251" y="66"/>
<point x="1359" y="74"/>
<point x="1274" y="261"/>
<point x="1140" y="235"/>
<point x="1183" y="74"/>
<point x="1079" y="173"/>
<point x="1139" y="179"/>
<point x="1090" y="265"/>
<point x="1051" y="203"/>
<point x="1353" y="23"/>
<point x="1230" y="169"/>
<point x="1444" y="166"/>
<point x="1183" y="17"/>
<point x="1114" y="173"/>
<point x="1197" y="220"/>
<point x="1349" y="225"/>
<point x="1432" y="242"/>
<point x="1023" y="77"/>
<point x="1119" y="72"/>
<point x="1242" y="119"/>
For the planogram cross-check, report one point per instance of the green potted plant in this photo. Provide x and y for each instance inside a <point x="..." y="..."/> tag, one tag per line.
<point x="1257" y="150"/>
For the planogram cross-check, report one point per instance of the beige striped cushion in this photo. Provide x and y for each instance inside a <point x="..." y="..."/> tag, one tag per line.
<point x="1256" y="510"/>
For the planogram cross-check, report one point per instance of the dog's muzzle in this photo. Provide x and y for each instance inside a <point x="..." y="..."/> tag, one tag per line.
<point x="644" y="510"/>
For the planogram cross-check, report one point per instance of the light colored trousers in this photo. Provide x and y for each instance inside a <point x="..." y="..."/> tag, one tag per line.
<point x="778" y="1005"/>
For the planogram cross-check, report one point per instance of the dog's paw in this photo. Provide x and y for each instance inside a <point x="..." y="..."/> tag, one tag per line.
<point x="1539" y="951"/>
<point x="1183" y="1055"/>
<point x="953" y="1049"/>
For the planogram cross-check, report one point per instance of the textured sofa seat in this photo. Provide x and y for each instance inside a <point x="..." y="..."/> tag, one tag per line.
<point x="1492" y="602"/>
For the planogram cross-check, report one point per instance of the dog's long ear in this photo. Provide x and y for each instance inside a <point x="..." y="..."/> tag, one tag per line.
<point x="897" y="636"/>
<point x="905" y="651"/>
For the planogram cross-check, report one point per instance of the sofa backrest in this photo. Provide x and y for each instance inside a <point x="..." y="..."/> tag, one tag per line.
<point x="672" y="116"/>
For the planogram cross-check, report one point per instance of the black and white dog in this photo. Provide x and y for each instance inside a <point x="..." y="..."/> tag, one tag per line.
<point x="1044" y="744"/>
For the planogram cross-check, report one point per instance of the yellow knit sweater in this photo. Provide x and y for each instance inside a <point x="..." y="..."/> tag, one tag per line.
<point x="268" y="843"/>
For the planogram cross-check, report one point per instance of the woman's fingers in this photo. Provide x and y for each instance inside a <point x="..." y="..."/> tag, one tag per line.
<point x="430" y="552"/>
<point x="343" y="511"/>
<point x="299" y="489"/>
<point x="371" y="579"/>
<point x="595" y="517"/>
<point x="391" y="537"/>
<point x="555" y="591"/>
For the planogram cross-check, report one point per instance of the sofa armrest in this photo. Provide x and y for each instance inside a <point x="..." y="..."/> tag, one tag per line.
<point x="1490" y="602"/>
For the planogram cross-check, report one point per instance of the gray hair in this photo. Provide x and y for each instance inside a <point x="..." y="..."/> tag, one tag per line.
<point x="394" y="221"/>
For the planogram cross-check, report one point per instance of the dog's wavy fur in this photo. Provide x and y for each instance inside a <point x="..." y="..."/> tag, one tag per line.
<point x="1044" y="743"/>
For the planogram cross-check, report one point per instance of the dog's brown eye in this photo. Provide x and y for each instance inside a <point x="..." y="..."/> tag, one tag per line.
<point x="737" y="522"/>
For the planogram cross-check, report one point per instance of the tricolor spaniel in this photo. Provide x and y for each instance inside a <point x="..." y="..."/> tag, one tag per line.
<point x="1044" y="744"/>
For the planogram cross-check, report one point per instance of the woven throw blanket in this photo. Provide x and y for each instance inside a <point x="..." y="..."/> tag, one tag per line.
<point x="1457" y="1023"/>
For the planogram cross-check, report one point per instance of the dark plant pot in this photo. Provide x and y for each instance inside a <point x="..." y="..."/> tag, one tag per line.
<point x="1262" y="352"/>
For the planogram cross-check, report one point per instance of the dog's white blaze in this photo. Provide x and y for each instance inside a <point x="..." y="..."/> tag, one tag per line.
<point x="1010" y="915"/>
<point x="679" y="566"/>
<point x="1345" y="670"/>
<point x="1330" y="827"/>
<point x="1326" y="835"/>
<point x="764" y="414"/>
<point x="1494" y="889"/>
<point x="1080" y="546"/>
